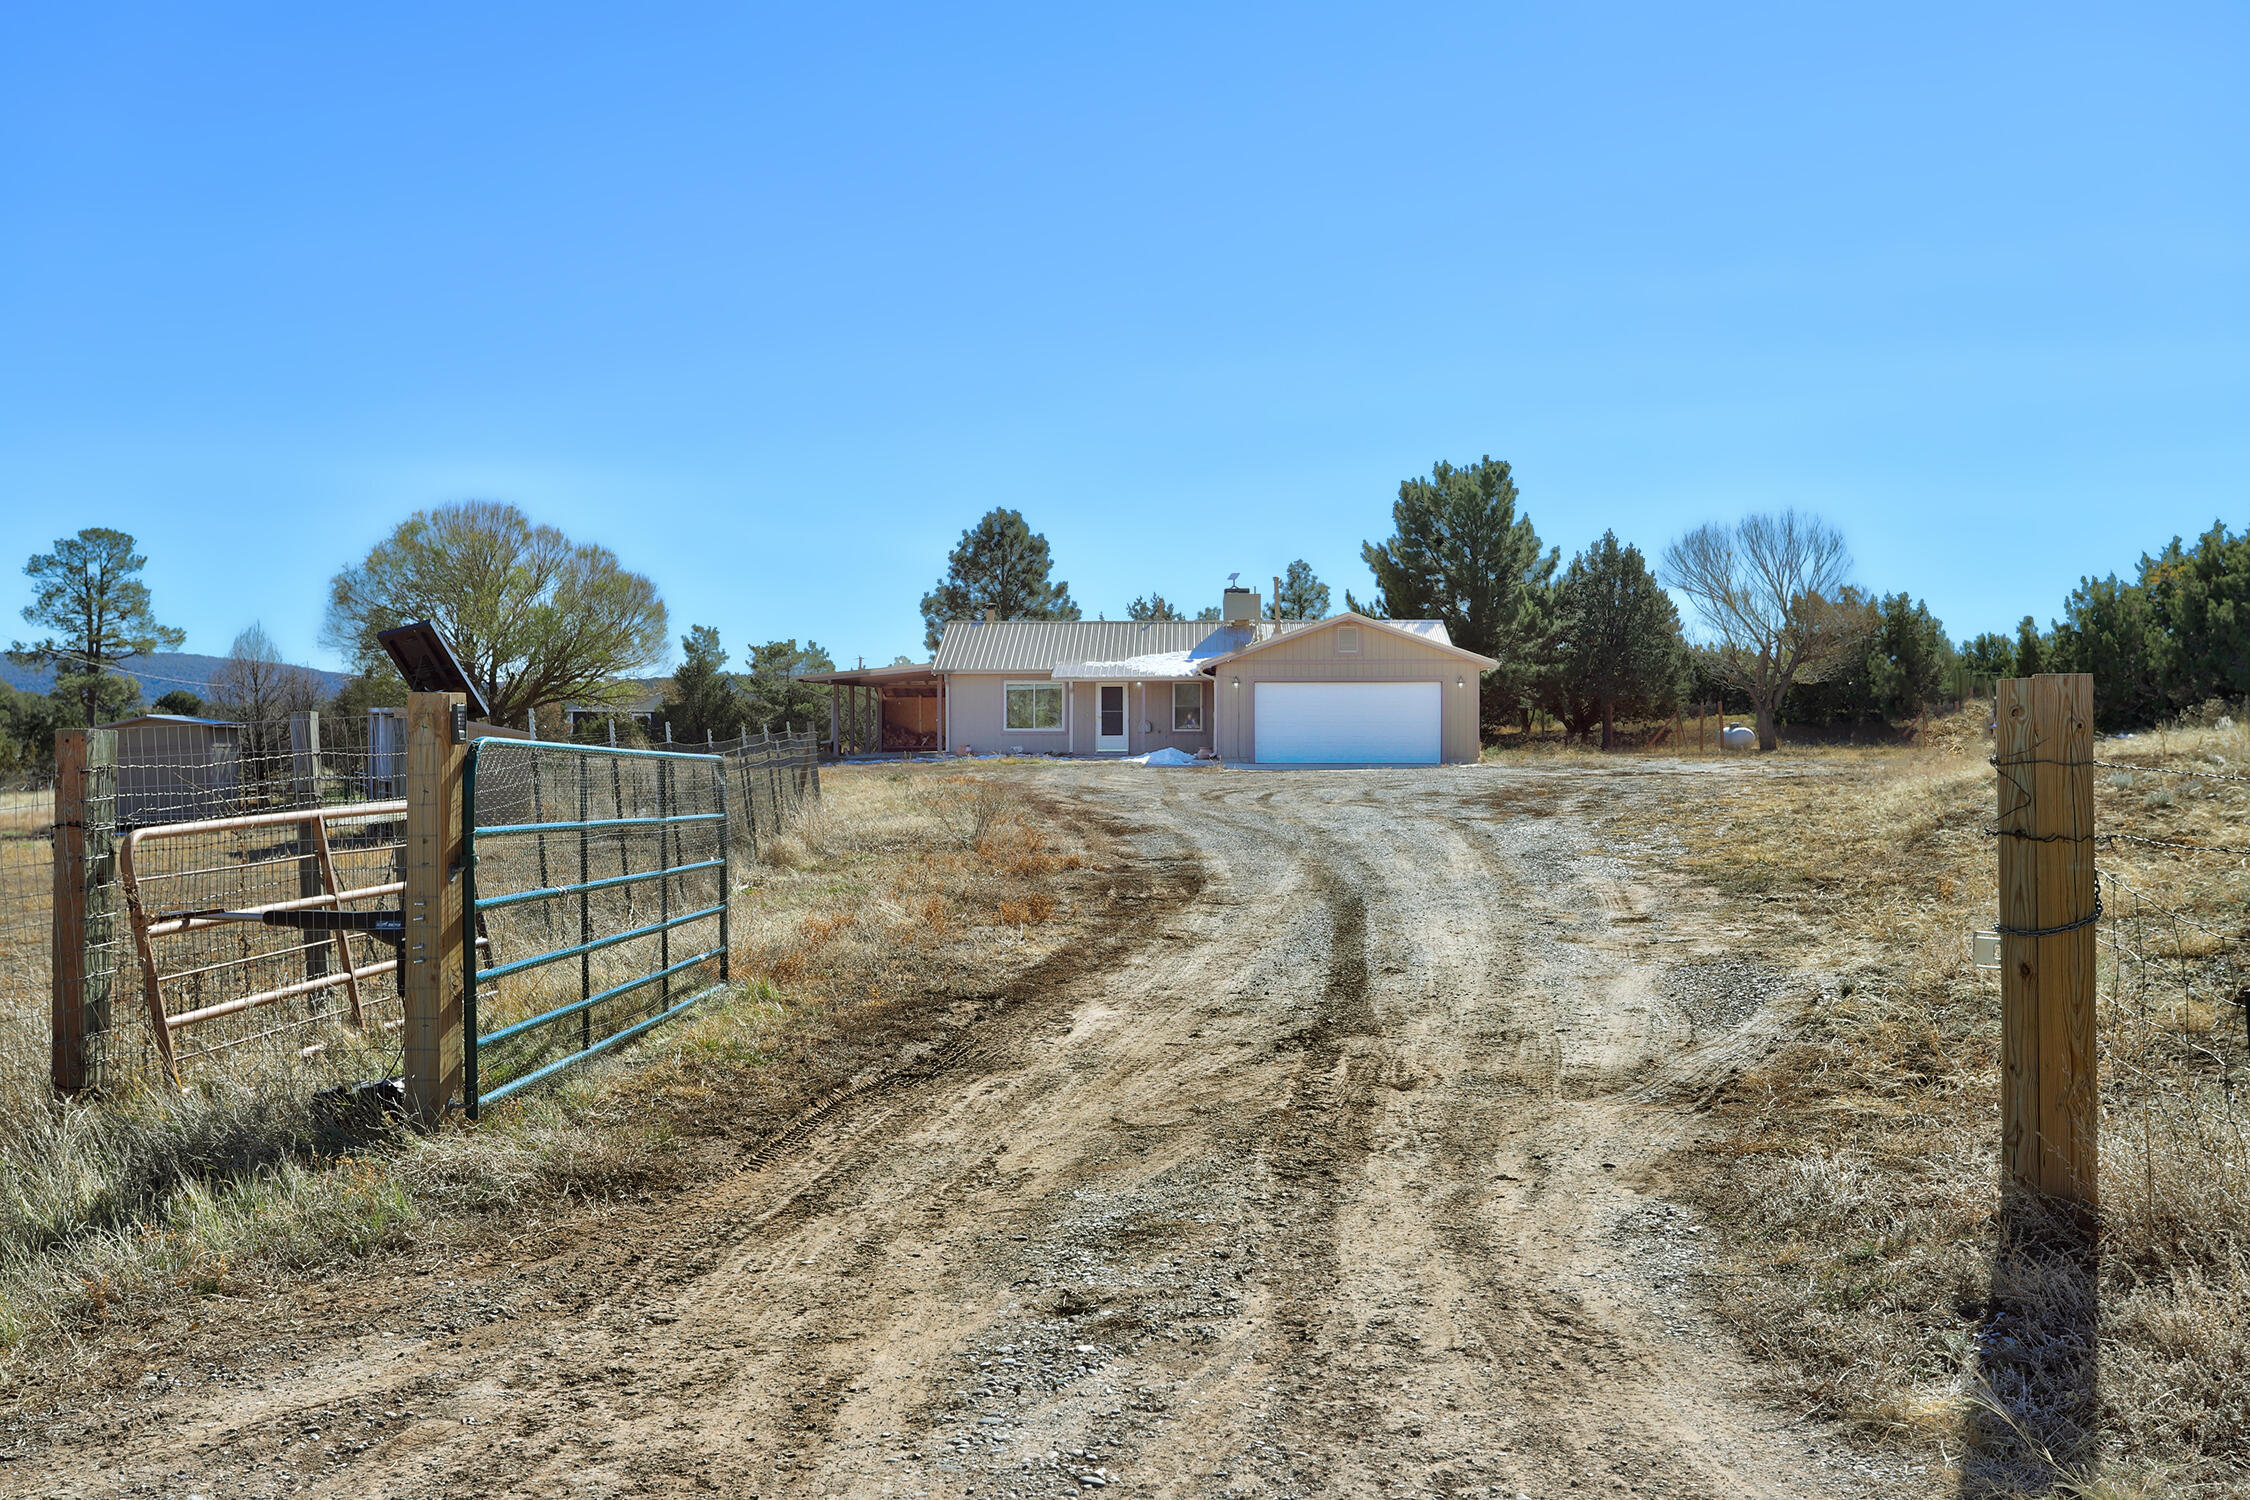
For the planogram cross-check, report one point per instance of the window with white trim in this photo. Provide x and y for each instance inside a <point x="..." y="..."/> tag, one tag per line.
<point x="1347" y="640"/>
<point x="1187" y="707"/>
<point x="1035" y="705"/>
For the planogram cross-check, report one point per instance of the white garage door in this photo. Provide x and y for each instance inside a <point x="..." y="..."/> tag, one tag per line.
<point x="1383" y="723"/>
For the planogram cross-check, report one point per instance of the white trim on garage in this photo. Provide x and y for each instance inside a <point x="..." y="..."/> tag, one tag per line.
<point x="1348" y="723"/>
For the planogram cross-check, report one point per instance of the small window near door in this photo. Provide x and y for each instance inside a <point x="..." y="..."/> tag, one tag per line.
<point x="1347" y="640"/>
<point x="1187" y="707"/>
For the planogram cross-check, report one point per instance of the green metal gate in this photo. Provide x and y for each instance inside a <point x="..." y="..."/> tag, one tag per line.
<point x="597" y="881"/>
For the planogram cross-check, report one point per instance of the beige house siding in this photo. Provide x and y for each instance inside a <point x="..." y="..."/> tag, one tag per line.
<point x="1382" y="657"/>
<point x="978" y="702"/>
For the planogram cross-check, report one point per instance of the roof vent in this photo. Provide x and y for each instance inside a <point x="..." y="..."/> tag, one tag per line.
<point x="1239" y="605"/>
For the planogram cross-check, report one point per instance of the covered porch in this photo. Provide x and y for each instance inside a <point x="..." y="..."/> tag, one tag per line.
<point x="884" y="711"/>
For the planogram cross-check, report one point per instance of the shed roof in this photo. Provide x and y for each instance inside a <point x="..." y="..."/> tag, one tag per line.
<point x="170" y="721"/>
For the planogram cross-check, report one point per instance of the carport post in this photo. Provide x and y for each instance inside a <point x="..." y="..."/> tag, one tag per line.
<point x="431" y="971"/>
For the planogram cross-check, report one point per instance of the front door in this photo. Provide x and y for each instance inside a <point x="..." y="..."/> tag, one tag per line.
<point x="1109" y="716"/>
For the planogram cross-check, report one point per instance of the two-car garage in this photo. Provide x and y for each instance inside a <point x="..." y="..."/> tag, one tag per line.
<point x="1349" y="691"/>
<point x="1357" y="723"/>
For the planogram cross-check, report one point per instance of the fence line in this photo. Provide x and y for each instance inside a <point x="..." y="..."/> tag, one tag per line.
<point x="168" y="773"/>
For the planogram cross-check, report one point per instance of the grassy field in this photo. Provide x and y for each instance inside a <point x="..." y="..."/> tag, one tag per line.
<point x="886" y="905"/>
<point x="1872" y="1264"/>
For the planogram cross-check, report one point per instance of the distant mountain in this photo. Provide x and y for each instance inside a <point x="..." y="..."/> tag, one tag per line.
<point x="159" y="674"/>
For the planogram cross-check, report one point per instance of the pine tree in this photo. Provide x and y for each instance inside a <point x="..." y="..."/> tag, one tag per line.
<point x="1001" y="565"/>
<point x="88" y="592"/>
<point x="702" y="701"/>
<point x="1618" y="648"/>
<point x="1303" y="595"/>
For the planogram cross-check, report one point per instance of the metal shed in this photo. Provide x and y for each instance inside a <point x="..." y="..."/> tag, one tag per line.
<point x="171" y="768"/>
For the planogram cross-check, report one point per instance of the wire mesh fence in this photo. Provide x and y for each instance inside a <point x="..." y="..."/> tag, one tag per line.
<point x="202" y="807"/>
<point x="27" y="817"/>
<point x="600" y="880"/>
<point x="771" y="779"/>
<point x="2174" y="996"/>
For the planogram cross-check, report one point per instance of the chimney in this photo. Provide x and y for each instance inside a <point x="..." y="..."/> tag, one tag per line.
<point x="1239" y="606"/>
<point x="1277" y="599"/>
<point x="990" y="614"/>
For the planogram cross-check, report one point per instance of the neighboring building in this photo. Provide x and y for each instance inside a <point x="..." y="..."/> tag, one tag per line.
<point x="640" y="707"/>
<point x="1345" y="690"/>
<point x="172" y="768"/>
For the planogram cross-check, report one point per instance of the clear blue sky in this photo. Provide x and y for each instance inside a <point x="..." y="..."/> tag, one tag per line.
<point x="774" y="304"/>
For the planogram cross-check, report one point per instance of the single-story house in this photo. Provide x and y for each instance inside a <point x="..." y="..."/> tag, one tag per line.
<point x="1345" y="690"/>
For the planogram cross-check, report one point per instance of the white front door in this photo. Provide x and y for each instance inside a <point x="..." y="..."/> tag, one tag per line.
<point x="1109" y="716"/>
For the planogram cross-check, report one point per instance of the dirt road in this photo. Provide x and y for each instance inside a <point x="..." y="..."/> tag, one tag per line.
<point x="1338" y="1180"/>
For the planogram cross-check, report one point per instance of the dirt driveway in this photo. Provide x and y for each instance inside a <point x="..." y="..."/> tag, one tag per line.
<point x="1340" y="1180"/>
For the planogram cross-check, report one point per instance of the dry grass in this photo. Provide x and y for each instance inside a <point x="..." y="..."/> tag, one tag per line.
<point x="26" y="814"/>
<point x="855" y="949"/>
<point x="1858" y="1164"/>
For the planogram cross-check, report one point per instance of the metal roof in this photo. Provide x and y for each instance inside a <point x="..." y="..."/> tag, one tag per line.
<point x="1040" y="645"/>
<point x="1428" y="632"/>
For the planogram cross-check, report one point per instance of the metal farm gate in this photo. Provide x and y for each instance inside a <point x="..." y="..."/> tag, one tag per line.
<point x="601" y="879"/>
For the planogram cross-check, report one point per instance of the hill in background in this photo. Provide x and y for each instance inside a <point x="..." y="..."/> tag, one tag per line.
<point x="158" y="674"/>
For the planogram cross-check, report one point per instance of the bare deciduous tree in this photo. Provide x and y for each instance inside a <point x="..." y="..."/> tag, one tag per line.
<point x="1769" y="591"/>
<point x="255" y="686"/>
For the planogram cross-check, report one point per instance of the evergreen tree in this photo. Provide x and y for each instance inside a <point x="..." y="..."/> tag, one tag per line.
<point x="777" y="696"/>
<point x="1154" y="607"/>
<point x="1303" y="595"/>
<point x="1001" y="565"/>
<point x="1990" y="655"/>
<point x="1911" y="658"/>
<point x="88" y="593"/>
<point x="2112" y="630"/>
<point x="2031" y="652"/>
<point x="702" y="701"/>
<point x="1459" y="553"/>
<point x="2202" y="597"/>
<point x="179" y="701"/>
<point x="1618" y="649"/>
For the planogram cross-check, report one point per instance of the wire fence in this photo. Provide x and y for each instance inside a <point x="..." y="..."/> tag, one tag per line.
<point x="231" y="782"/>
<point x="202" y="807"/>
<point x="2172" y="1003"/>
<point x="599" y="879"/>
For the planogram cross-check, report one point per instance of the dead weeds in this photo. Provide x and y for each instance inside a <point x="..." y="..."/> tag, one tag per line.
<point x="1856" y="1168"/>
<point x="872" y="933"/>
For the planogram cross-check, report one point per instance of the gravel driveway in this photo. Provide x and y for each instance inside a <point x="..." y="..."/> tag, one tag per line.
<point x="1341" y="1179"/>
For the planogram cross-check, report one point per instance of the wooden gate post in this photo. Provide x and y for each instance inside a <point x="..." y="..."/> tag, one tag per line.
<point x="82" y="936"/>
<point x="2049" y="1109"/>
<point x="432" y="971"/>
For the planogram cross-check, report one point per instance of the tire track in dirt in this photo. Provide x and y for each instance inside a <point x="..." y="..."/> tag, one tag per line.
<point x="1326" y="1172"/>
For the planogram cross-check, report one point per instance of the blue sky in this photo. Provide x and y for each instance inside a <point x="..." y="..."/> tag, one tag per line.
<point x="775" y="303"/>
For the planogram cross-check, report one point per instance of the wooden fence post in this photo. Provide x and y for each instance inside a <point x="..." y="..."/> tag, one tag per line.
<point x="434" y="920"/>
<point x="2048" y="897"/>
<point x="82" y="954"/>
<point x="304" y="791"/>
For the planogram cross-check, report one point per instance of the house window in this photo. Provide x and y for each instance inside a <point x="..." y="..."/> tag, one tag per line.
<point x="1347" y="640"/>
<point x="1035" y="705"/>
<point x="1187" y="707"/>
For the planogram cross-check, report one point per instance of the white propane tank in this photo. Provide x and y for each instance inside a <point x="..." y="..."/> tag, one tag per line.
<point x="1738" y="737"/>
